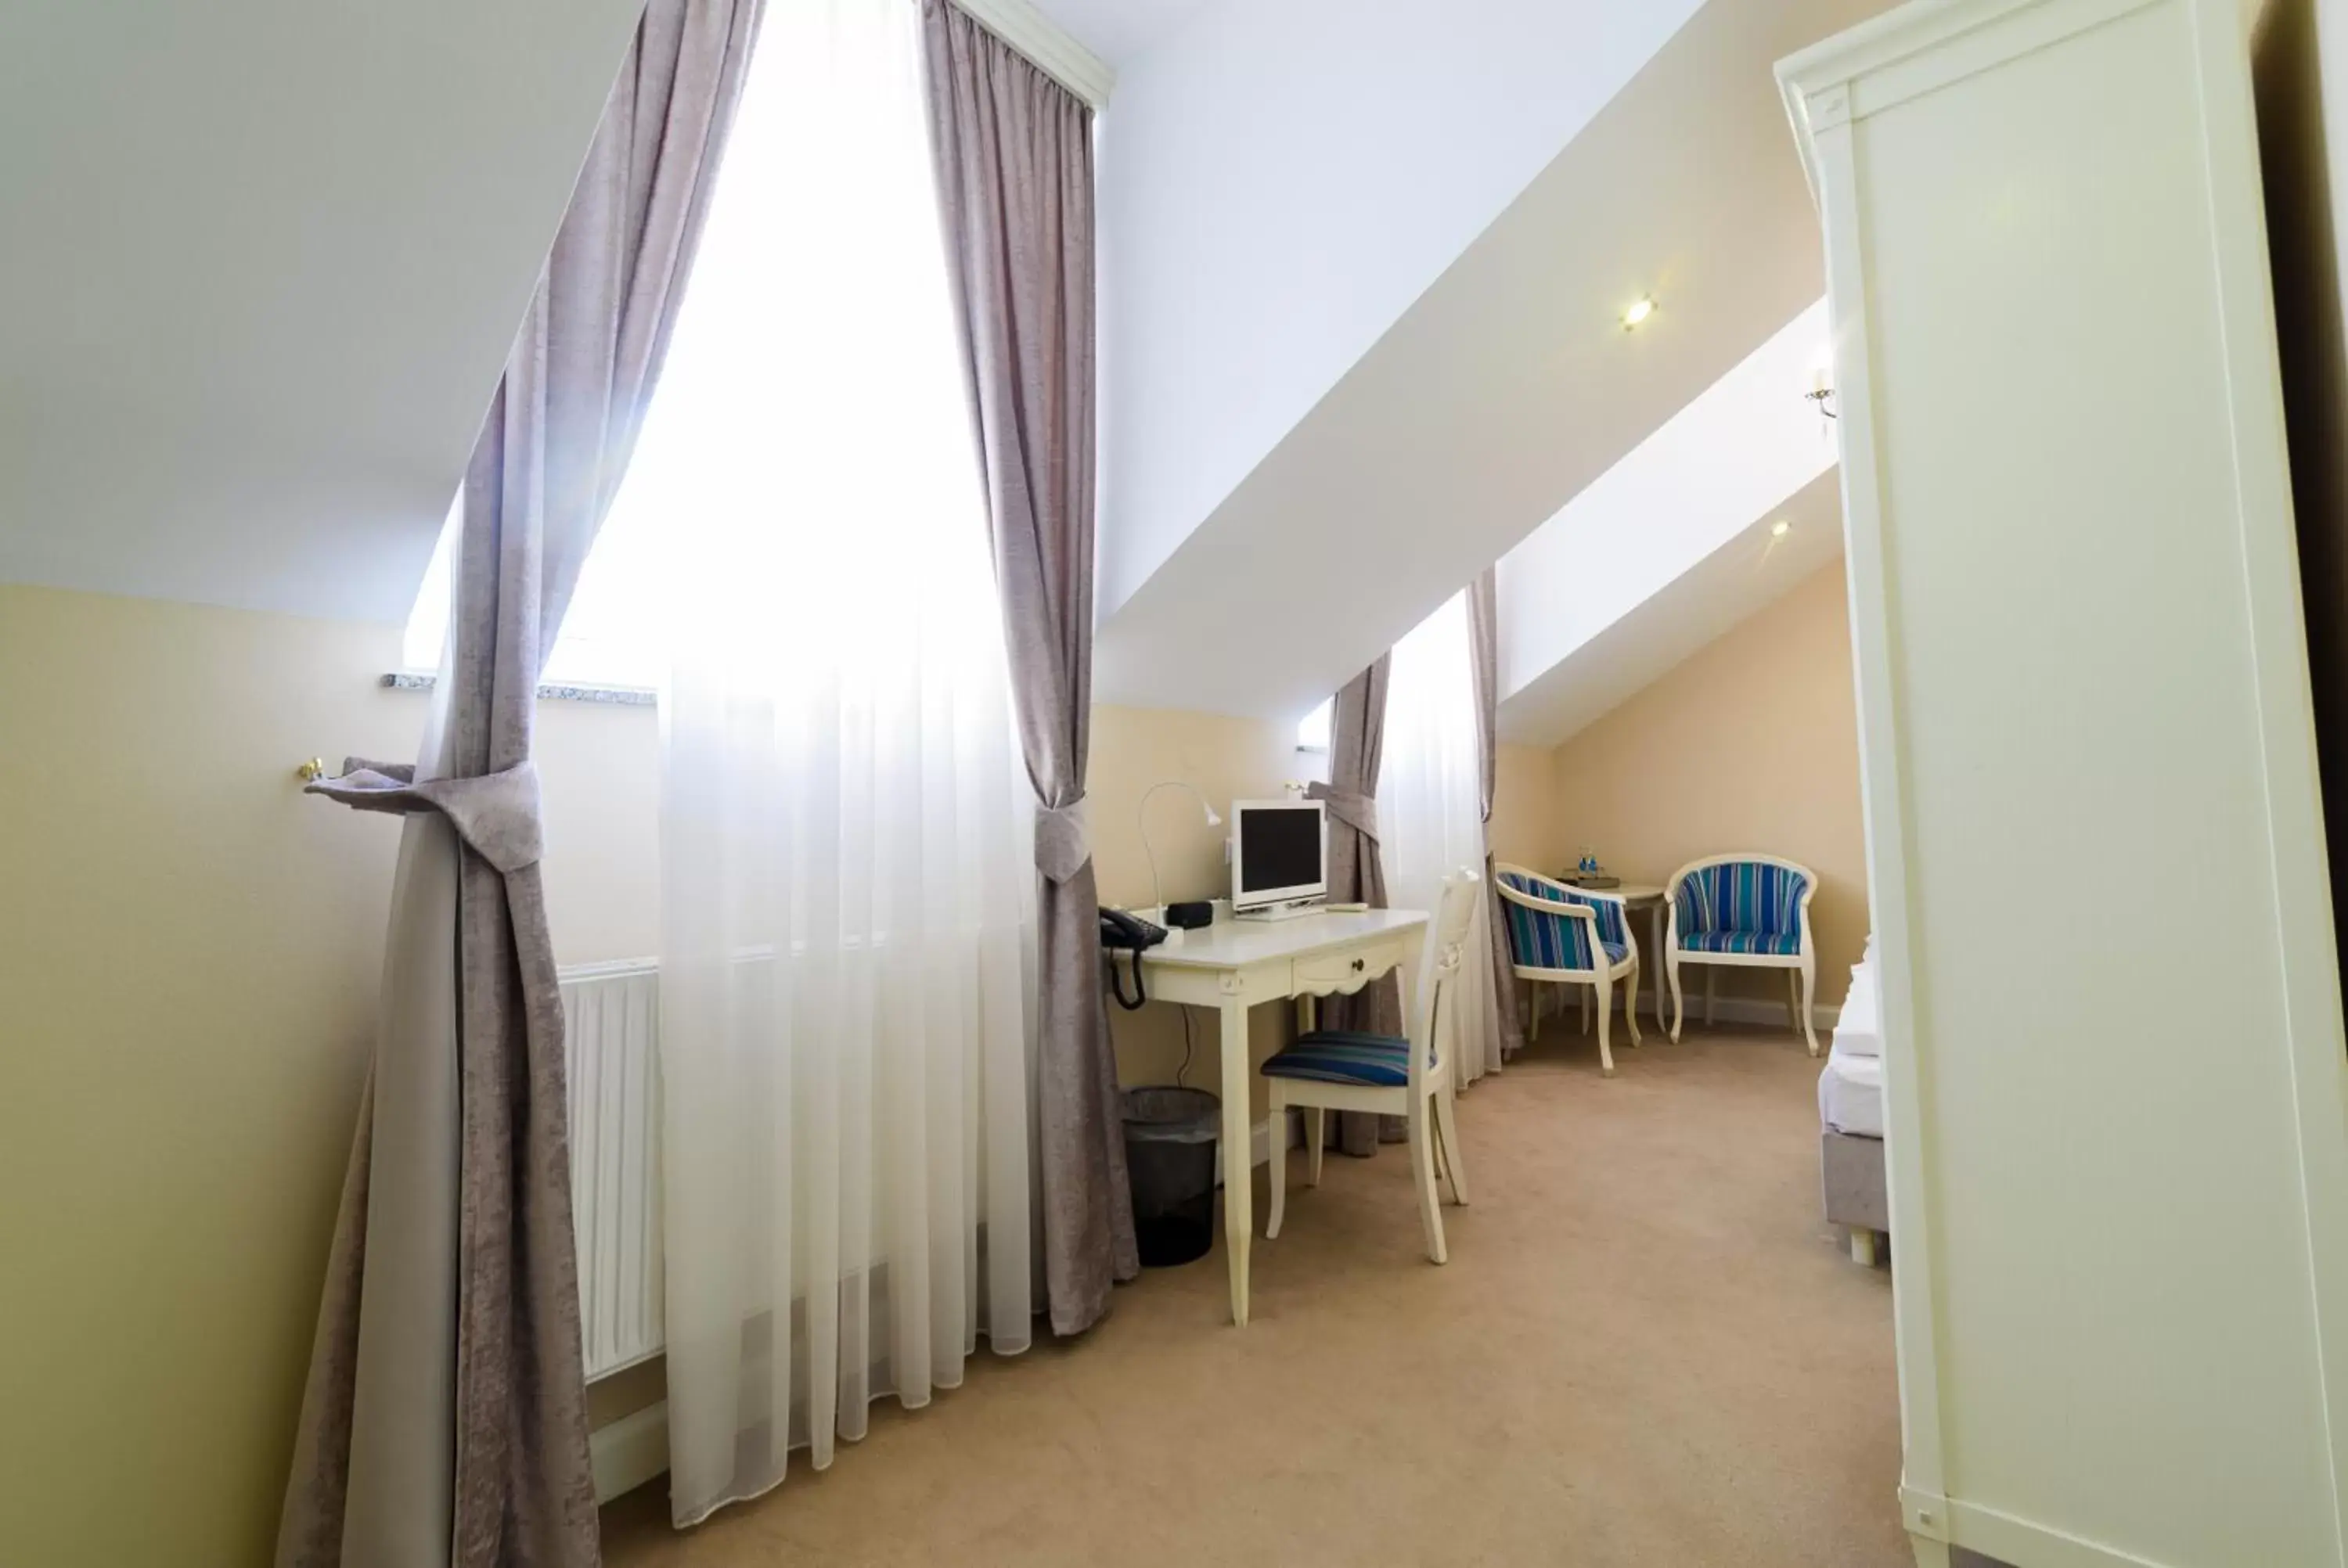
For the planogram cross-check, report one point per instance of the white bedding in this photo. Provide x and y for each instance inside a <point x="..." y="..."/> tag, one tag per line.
<point x="1850" y="1090"/>
<point x="1858" y="1027"/>
<point x="1851" y="1094"/>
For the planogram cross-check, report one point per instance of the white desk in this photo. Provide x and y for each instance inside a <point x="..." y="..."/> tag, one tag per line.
<point x="1232" y="965"/>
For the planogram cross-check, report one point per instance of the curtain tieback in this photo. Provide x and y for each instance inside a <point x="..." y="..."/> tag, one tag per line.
<point x="1352" y="807"/>
<point x="496" y="814"/>
<point x="1064" y="840"/>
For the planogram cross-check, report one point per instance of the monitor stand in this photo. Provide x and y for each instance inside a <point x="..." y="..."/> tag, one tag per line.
<point x="1287" y="911"/>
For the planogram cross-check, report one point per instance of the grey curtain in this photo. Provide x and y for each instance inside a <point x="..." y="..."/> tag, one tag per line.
<point x="445" y="1417"/>
<point x="1503" y="1031"/>
<point x="1357" y="730"/>
<point x="1013" y="150"/>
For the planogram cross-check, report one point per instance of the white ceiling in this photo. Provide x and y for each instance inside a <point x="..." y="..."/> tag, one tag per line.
<point x="262" y="260"/>
<point x="1506" y="388"/>
<point x="1119" y="31"/>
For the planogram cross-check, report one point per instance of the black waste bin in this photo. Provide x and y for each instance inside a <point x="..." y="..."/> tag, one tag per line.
<point x="1169" y="1156"/>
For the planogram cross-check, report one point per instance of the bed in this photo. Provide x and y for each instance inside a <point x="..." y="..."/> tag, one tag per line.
<point x="1850" y="1114"/>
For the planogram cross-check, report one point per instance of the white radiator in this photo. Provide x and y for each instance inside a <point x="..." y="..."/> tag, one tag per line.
<point x="611" y="1014"/>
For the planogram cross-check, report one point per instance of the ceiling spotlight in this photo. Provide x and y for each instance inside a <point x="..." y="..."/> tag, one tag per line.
<point x="1780" y="529"/>
<point x="1641" y="309"/>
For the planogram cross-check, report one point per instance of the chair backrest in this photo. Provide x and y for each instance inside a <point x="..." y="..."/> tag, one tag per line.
<point x="1437" y="1025"/>
<point x="1548" y="939"/>
<point x="1757" y="893"/>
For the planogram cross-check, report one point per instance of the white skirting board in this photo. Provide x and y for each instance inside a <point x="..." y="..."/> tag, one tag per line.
<point x="630" y="1451"/>
<point x="1263" y="1149"/>
<point x="1762" y="1010"/>
<point x="1747" y="1010"/>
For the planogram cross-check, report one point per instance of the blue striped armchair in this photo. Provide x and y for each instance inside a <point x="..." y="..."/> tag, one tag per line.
<point x="1749" y="911"/>
<point x="1570" y="935"/>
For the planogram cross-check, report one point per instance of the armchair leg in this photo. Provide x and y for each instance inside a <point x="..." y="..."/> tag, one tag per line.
<point x="1585" y="1009"/>
<point x="1605" y="989"/>
<point x="1809" y="994"/>
<point x="1316" y="1128"/>
<point x="1679" y="1003"/>
<point x="1631" y="1002"/>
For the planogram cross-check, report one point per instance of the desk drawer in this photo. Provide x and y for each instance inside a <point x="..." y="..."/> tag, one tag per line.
<point x="1348" y="968"/>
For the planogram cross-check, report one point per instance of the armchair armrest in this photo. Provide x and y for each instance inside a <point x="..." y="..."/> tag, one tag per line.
<point x="1547" y="906"/>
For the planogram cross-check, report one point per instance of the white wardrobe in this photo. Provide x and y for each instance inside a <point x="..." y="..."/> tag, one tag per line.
<point x="2116" y="1088"/>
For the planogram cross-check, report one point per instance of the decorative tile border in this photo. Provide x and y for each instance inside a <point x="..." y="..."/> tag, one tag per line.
<point x="618" y="696"/>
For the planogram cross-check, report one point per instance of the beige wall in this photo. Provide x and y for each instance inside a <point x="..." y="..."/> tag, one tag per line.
<point x="1524" y="828"/>
<point x="188" y="956"/>
<point x="1227" y="759"/>
<point x="1751" y="744"/>
<point x="190" y="950"/>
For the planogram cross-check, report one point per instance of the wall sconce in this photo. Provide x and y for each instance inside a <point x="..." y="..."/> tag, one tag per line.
<point x="1821" y="392"/>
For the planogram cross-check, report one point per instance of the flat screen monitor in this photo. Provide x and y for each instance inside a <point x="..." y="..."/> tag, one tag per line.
<point x="1279" y="852"/>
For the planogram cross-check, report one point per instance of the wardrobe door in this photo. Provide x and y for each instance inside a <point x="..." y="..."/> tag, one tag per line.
<point x="2113" y="1043"/>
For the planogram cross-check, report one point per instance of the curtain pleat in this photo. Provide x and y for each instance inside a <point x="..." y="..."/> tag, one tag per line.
<point x="1357" y="727"/>
<point x="1012" y="153"/>
<point x="847" y="861"/>
<point x="445" y="1417"/>
<point x="1503" y="1028"/>
<point x="1430" y="810"/>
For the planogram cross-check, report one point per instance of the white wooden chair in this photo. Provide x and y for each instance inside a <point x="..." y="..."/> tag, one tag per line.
<point x="1345" y="1069"/>
<point x="1743" y="911"/>
<point x="1571" y="937"/>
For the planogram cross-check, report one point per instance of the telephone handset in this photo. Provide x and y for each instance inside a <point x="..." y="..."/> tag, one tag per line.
<point x="1129" y="933"/>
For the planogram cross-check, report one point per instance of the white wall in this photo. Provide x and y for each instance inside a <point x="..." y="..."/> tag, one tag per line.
<point x="1277" y="183"/>
<point x="262" y="261"/>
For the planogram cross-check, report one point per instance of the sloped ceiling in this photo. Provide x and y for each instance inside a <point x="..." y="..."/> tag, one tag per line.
<point x="1506" y="388"/>
<point x="261" y="261"/>
<point x="1743" y="576"/>
<point x="1609" y="572"/>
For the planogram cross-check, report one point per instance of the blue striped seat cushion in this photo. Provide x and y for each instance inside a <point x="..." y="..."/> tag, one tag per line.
<point x="1345" y="1056"/>
<point x="1741" y="906"/>
<point x="1786" y="942"/>
<point x="1542" y="939"/>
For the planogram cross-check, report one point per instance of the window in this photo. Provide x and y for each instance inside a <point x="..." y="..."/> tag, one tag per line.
<point x="1312" y="730"/>
<point x="609" y="636"/>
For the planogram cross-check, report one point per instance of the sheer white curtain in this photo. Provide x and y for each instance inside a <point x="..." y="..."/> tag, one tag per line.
<point x="1430" y="802"/>
<point x="847" y="897"/>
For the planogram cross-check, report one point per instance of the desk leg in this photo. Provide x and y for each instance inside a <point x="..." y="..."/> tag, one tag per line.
<point x="1239" y="1153"/>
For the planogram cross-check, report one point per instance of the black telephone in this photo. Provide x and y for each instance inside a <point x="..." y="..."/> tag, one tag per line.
<point x="1128" y="933"/>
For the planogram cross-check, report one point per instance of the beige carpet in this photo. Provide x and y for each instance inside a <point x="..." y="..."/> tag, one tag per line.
<point x="1647" y="1348"/>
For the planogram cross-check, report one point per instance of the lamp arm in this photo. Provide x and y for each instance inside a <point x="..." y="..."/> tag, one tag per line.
<point x="1141" y="820"/>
